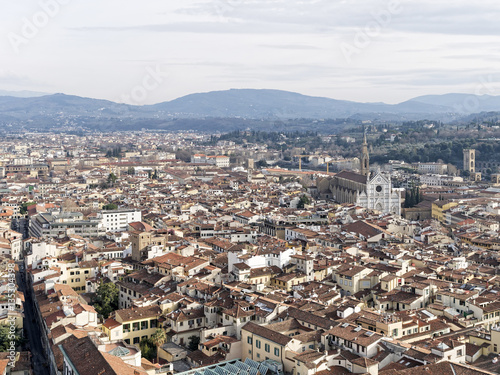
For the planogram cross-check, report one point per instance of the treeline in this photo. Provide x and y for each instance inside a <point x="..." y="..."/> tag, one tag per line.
<point x="114" y="152"/>
<point x="450" y="152"/>
<point x="413" y="197"/>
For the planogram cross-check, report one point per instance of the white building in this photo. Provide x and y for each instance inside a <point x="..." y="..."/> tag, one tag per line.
<point x="439" y="168"/>
<point x="220" y="161"/>
<point x="118" y="220"/>
<point x="380" y="195"/>
<point x="439" y="179"/>
<point x="199" y="158"/>
<point x="11" y="244"/>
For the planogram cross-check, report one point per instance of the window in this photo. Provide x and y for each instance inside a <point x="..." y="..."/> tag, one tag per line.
<point x="249" y="340"/>
<point x="267" y="348"/>
<point x="257" y="344"/>
<point x="135" y="326"/>
<point x="459" y="352"/>
<point x="153" y="323"/>
<point x="136" y="340"/>
<point x="144" y="324"/>
<point x="277" y="352"/>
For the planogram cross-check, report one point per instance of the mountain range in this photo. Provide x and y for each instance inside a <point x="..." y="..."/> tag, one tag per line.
<point x="243" y="104"/>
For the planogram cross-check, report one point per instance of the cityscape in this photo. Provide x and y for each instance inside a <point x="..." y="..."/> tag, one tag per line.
<point x="249" y="187"/>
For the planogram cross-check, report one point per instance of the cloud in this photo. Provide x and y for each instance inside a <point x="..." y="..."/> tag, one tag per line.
<point x="92" y="47"/>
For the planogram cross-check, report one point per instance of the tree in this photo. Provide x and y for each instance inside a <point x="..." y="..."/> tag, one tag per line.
<point x="304" y="199"/>
<point x="413" y="197"/>
<point x="158" y="339"/>
<point x="110" y="206"/>
<point x="261" y="164"/>
<point x="131" y="170"/>
<point x="6" y="336"/>
<point x="148" y="349"/>
<point x="194" y="341"/>
<point x="106" y="299"/>
<point x="112" y="179"/>
<point x="24" y="207"/>
<point x="183" y="155"/>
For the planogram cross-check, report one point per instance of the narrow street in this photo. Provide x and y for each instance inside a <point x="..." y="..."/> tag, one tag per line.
<point x="32" y="330"/>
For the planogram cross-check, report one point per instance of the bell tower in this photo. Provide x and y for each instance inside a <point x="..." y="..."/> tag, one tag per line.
<point x="365" y="157"/>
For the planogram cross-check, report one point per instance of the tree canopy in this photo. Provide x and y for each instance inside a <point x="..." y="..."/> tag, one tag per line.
<point x="106" y="299"/>
<point x="5" y="337"/>
<point x="304" y="199"/>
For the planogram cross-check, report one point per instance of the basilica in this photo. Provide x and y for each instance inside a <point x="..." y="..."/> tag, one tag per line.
<point x="364" y="189"/>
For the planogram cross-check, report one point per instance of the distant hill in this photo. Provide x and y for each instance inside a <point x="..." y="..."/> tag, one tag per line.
<point x="462" y="103"/>
<point x="22" y="94"/>
<point x="245" y="106"/>
<point x="58" y="105"/>
<point x="250" y="103"/>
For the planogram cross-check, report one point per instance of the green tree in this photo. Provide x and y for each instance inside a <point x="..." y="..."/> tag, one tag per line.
<point x="194" y="341"/>
<point x="261" y="164"/>
<point x="183" y="155"/>
<point x="304" y="199"/>
<point x="158" y="339"/>
<point x="6" y="336"/>
<point x="106" y="299"/>
<point x="148" y="349"/>
<point x="110" y="206"/>
<point x="413" y="197"/>
<point x="131" y="170"/>
<point x="112" y="179"/>
<point x="24" y="207"/>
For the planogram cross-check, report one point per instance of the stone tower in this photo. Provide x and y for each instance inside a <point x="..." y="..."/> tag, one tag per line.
<point x="470" y="160"/>
<point x="365" y="158"/>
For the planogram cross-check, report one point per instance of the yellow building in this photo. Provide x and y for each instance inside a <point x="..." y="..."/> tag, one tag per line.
<point x="77" y="277"/>
<point x="439" y="207"/>
<point x="261" y="275"/>
<point x="138" y="323"/>
<point x="262" y="342"/>
<point x="287" y="281"/>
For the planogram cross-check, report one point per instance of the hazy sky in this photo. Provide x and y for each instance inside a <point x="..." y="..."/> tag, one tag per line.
<point x="155" y="50"/>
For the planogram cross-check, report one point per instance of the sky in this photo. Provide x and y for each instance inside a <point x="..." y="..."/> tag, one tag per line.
<point x="149" y="51"/>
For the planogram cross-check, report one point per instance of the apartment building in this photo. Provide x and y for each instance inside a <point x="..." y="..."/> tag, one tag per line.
<point x="118" y="220"/>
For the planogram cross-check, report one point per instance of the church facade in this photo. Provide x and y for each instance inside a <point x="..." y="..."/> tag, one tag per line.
<point x="363" y="189"/>
<point x="379" y="195"/>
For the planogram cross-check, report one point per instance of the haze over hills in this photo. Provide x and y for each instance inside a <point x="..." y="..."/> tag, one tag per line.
<point x="248" y="104"/>
<point x="22" y="94"/>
